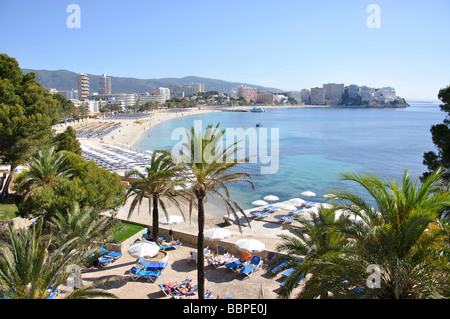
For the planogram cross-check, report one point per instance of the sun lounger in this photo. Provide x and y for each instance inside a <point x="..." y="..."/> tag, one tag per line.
<point x="176" y="245"/>
<point x="271" y="208"/>
<point x="297" y="212"/>
<point x="254" y="264"/>
<point x="146" y="265"/>
<point x="151" y="275"/>
<point x="169" y="291"/>
<point x="109" y="254"/>
<point x="234" y="265"/>
<point x="287" y="219"/>
<point x="103" y="261"/>
<point x="220" y="260"/>
<point x="262" y="215"/>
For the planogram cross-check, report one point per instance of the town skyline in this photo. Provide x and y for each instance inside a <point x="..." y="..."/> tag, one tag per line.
<point x="293" y="45"/>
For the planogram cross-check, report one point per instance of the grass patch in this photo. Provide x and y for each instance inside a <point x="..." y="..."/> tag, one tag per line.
<point x="128" y="231"/>
<point x="8" y="208"/>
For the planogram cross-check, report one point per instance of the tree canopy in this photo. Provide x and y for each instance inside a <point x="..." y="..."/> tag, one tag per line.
<point x="27" y="113"/>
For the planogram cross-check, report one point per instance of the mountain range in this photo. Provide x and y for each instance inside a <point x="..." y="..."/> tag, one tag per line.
<point x="66" y="80"/>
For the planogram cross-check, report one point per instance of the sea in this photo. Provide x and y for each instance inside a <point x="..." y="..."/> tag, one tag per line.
<point x="306" y="149"/>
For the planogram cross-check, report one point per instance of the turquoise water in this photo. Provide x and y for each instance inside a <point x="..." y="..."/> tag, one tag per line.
<point x="316" y="144"/>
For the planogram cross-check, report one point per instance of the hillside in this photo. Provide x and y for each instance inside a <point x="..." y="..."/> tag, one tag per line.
<point x="66" y="80"/>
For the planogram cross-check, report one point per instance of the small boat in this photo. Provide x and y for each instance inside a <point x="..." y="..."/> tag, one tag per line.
<point x="259" y="125"/>
<point x="257" y="109"/>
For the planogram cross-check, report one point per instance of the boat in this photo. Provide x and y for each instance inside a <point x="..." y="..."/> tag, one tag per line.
<point x="257" y="109"/>
<point x="259" y="125"/>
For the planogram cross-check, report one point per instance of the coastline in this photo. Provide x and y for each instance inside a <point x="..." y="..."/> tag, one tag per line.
<point x="129" y="134"/>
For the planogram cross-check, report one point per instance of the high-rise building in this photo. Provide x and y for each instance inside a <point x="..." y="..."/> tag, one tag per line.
<point x="248" y="93"/>
<point x="366" y="93"/>
<point x="317" y="96"/>
<point x="104" y="85"/>
<point x="333" y="93"/>
<point x="305" y="96"/>
<point x="353" y="91"/>
<point x="265" y="97"/>
<point x="164" y="93"/>
<point x="188" y="90"/>
<point x="297" y="95"/>
<point x="83" y="86"/>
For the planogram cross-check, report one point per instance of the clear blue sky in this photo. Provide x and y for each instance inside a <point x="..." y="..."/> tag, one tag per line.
<point x="287" y="44"/>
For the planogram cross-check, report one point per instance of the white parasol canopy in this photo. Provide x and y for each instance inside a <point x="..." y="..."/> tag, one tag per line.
<point x="250" y="245"/>
<point x="308" y="194"/>
<point x="271" y="198"/>
<point x="297" y="201"/>
<point x="143" y="248"/>
<point x="260" y="202"/>
<point x="287" y="207"/>
<point x="217" y="233"/>
<point x="171" y="219"/>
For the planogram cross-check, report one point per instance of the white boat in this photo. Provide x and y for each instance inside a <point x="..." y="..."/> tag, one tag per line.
<point x="257" y="109"/>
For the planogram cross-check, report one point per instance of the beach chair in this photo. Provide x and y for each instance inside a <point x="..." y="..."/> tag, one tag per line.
<point x="287" y="219"/>
<point x="176" y="245"/>
<point x="262" y="215"/>
<point x="147" y="265"/>
<point x="220" y="260"/>
<point x="235" y="265"/>
<point x="169" y="290"/>
<point x="103" y="261"/>
<point x="254" y="264"/>
<point x="150" y="275"/>
<point x="271" y="208"/>
<point x="109" y="254"/>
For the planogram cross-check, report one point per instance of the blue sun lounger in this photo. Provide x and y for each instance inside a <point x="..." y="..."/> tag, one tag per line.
<point x="175" y="246"/>
<point x="146" y="265"/>
<point x="109" y="254"/>
<point x="254" y="264"/>
<point x="151" y="275"/>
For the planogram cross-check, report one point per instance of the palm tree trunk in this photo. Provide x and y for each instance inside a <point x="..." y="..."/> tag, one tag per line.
<point x="200" y="242"/>
<point x="155" y="221"/>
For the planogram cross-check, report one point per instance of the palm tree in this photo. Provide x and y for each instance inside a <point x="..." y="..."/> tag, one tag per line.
<point x="398" y="239"/>
<point x="315" y="242"/>
<point x="209" y="174"/>
<point x="28" y="269"/>
<point x="161" y="182"/>
<point x="82" y="225"/>
<point x="44" y="170"/>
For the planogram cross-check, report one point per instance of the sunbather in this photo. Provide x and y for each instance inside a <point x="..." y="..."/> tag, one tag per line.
<point x="164" y="243"/>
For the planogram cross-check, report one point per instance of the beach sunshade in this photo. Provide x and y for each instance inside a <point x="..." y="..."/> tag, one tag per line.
<point x="250" y="245"/>
<point x="171" y="219"/>
<point x="297" y="201"/>
<point x="143" y="249"/>
<point x="217" y="233"/>
<point x="308" y="194"/>
<point x="260" y="203"/>
<point x="271" y="198"/>
<point x="327" y="206"/>
<point x="287" y="207"/>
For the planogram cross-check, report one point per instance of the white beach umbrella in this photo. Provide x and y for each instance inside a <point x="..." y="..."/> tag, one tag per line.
<point x="171" y="219"/>
<point x="217" y="233"/>
<point x="260" y="202"/>
<point x="297" y="201"/>
<point x="308" y="194"/>
<point x="271" y="198"/>
<point x="326" y="205"/>
<point x="143" y="249"/>
<point x="287" y="207"/>
<point x="330" y="196"/>
<point x="250" y="245"/>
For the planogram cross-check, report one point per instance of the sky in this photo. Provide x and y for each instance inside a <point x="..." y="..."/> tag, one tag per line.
<point x="285" y="44"/>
